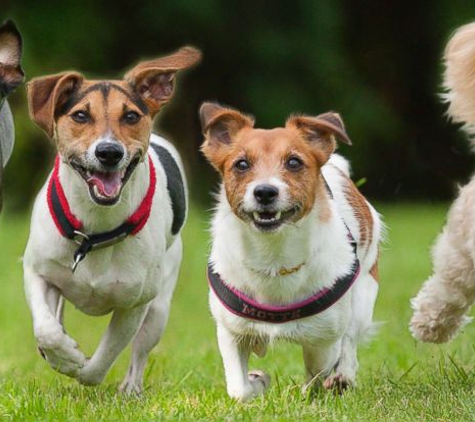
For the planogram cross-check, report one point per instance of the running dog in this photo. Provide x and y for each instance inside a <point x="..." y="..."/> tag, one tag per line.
<point x="441" y="305"/>
<point x="295" y="247"/>
<point x="11" y="75"/>
<point x="105" y="229"/>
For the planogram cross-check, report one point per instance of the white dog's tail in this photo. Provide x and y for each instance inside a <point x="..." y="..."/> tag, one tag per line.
<point x="459" y="78"/>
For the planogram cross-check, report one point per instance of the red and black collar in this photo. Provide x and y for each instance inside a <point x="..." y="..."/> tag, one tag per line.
<point x="72" y="228"/>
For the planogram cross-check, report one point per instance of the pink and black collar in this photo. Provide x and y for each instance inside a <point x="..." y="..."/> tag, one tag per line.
<point x="72" y="228"/>
<point x="241" y="305"/>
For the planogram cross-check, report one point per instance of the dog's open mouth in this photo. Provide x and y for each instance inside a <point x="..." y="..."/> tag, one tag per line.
<point x="271" y="220"/>
<point x="105" y="186"/>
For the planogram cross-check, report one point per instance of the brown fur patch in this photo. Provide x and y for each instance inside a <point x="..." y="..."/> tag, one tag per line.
<point x="361" y="210"/>
<point x="374" y="271"/>
<point x="267" y="152"/>
<point x="106" y="107"/>
<point x="230" y="137"/>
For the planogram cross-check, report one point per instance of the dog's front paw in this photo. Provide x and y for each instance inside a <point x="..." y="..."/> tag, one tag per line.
<point x="338" y="383"/>
<point x="59" y="350"/>
<point x="258" y="383"/>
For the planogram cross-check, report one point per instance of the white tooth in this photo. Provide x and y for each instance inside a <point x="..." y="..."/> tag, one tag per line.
<point x="256" y="216"/>
<point x="278" y="215"/>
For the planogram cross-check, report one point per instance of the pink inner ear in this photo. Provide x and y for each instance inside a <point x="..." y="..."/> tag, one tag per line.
<point x="158" y="87"/>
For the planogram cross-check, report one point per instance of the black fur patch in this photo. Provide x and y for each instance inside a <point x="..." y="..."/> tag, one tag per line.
<point x="175" y="186"/>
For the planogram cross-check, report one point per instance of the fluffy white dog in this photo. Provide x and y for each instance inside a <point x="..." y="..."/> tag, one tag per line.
<point x="445" y="298"/>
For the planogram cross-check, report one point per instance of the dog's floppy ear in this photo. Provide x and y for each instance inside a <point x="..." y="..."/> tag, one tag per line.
<point x="321" y="131"/>
<point x="47" y="94"/>
<point x="11" y="73"/>
<point x="154" y="80"/>
<point x="219" y="126"/>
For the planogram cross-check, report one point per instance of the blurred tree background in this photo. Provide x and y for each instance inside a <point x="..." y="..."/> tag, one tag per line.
<point x="377" y="63"/>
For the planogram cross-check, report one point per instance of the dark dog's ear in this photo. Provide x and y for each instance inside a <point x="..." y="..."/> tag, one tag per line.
<point x="47" y="94"/>
<point x="11" y="73"/>
<point x="321" y="131"/>
<point x="219" y="126"/>
<point x="154" y="80"/>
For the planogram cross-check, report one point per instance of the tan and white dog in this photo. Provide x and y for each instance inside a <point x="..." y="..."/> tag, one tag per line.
<point x="441" y="305"/>
<point x="283" y="263"/>
<point x="105" y="229"/>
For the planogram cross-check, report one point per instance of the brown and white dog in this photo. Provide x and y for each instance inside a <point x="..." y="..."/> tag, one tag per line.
<point x="295" y="247"/>
<point x="105" y="229"/>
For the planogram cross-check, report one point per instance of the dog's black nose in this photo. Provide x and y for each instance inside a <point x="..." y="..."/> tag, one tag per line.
<point x="109" y="153"/>
<point x="266" y="194"/>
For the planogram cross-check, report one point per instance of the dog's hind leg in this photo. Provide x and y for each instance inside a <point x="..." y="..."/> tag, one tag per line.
<point x="145" y="340"/>
<point x="122" y="328"/>
<point x="319" y="359"/>
<point x="364" y="295"/>
<point x="441" y="304"/>
<point x="154" y="324"/>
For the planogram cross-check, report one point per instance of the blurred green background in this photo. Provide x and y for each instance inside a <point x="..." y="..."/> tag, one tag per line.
<point x="377" y="63"/>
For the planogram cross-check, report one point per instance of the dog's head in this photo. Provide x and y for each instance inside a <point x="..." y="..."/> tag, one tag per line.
<point x="11" y="73"/>
<point x="102" y="128"/>
<point x="271" y="177"/>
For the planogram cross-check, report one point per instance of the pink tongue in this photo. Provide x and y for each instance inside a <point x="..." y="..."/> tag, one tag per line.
<point x="108" y="184"/>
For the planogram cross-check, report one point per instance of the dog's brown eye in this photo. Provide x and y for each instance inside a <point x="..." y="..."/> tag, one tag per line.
<point x="242" y="165"/>
<point x="131" y="118"/>
<point x="81" y="116"/>
<point x="294" y="164"/>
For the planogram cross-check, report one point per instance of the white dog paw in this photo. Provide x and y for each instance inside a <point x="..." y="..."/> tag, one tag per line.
<point x="130" y="388"/>
<point x="338" y="383"/>
<point x="258" y="383"/>
<point x="259" y="380"/>
<point x="59" y="350"/>
<point x="90" y="376"/>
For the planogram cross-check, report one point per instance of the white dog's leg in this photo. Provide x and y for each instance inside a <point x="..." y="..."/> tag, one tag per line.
<point x="364" y="294"/>
<point x="241" y="384"/>
<point x="441" y="304"/>
<point x="122" y="328"/>
<point x="56" y="303"/>
<point x="154" y="323"/>
<point x="345" y="370"/>
<point x="319" y="359"/>
<point x="59" y="350"/>
<point x="145" y="340"/>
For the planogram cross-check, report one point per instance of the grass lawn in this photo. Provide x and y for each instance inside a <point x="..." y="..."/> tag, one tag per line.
<point x="399" y="379"/>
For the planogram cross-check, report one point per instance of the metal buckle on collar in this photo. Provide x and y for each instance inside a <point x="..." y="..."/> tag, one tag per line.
<point x="80" y="237"/>
<point x="77" y="260"/>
